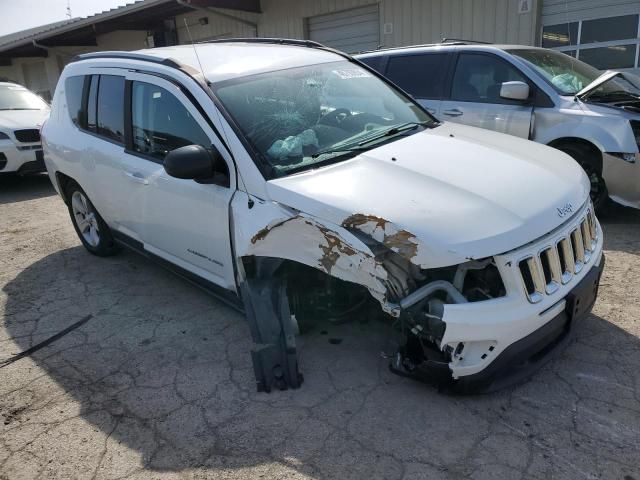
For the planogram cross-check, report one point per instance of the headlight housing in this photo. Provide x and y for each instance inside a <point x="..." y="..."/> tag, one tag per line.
<point x="4" y="136"/>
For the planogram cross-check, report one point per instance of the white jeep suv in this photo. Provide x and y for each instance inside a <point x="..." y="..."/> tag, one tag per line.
<point x="297" y="183"/>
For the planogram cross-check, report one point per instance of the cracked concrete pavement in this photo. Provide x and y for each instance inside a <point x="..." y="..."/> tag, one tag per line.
<point x="158" y="383"/>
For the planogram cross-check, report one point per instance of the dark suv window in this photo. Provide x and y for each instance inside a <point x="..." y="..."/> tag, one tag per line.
<point x="478" y="78"/>
<point x="160" y="123"/>
<point x="96" y="104"/>
<point x="420" y="75"/>
<point x="111" y="107"/>
<point x="374" y="62"/>
<point x="73" y="88"/>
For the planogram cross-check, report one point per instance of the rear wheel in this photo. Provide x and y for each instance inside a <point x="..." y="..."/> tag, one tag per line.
<point x="92" y="230"/>
<point x="591" y="165"/>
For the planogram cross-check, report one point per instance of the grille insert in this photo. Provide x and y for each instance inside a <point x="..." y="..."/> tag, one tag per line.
<point x="27" y="135"/>
<point x="556" y="264"/>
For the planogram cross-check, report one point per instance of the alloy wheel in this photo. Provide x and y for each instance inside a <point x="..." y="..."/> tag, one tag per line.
<point x="85" y="218"/>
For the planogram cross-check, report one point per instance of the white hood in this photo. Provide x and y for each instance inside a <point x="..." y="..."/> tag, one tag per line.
<point x="463" y="192"/>
<point x="19" y="119"/>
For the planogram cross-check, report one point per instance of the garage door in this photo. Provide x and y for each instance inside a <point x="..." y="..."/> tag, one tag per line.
<point x="351" y="31"/>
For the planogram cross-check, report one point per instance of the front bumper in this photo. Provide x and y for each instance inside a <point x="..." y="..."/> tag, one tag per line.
<point x="622" y="179"/>
<point x="522" y="358"/>
<point x="26" y="159"/>
<point x="481" y="333"/>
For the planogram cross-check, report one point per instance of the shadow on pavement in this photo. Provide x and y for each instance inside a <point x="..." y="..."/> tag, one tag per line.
<point x="14" y="188"/>
<point x="165" y="370"/>
<point x="621" y="227"/>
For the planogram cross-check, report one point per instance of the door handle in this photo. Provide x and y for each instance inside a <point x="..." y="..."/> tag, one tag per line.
<point x="137" y="177"/>
<point x="453" y="113"/>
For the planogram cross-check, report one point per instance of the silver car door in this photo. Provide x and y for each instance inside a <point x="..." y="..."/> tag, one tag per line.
<point x="475" y="95"/>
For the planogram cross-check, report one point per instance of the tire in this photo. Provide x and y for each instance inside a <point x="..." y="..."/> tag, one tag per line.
<point x="585" y="157"/>
<point x="92" y="230"/>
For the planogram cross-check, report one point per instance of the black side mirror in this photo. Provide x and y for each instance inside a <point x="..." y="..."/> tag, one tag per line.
<point x="192" y="162"/>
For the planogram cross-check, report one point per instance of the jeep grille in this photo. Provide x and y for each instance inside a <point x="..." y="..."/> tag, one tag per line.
<point x="556" y="264"/>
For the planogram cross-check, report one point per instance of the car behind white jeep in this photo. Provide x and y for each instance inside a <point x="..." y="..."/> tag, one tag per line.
<point x="534" y="93"/>
<point x="22" y="113"/>
<point x="297" y="184"/>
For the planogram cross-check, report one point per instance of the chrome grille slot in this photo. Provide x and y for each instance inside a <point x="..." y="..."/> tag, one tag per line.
<point x="567" y="263"/>
<point x="551" y="269"/>
<point x="556" y="264"/>
<point x="586" y="239"/>
<point x="578" y="248"/>
<point x="533" y="277"/>
<point x="591" y="218"/>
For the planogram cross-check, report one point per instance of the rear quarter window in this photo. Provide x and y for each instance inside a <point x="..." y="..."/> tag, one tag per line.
<point x="73" y="89"/>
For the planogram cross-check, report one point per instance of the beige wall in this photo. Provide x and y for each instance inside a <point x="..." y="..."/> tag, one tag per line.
<point x="410" y="21"/>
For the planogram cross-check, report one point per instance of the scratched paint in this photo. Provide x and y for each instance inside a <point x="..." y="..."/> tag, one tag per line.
<point x="303" y="239"/>
<point x="396" y="239"/>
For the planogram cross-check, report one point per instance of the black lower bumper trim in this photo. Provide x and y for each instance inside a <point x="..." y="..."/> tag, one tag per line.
<point x="521" y="359"/>
<point x="35" y="166"/>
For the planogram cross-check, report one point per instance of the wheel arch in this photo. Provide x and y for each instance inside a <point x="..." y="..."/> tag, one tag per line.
<point x="594" y="152"/>
<point x="64" y="181"/>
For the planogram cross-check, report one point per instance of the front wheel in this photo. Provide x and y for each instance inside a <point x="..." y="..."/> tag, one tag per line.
<point x="92" y="230"/>
<point x="599" y="193"/>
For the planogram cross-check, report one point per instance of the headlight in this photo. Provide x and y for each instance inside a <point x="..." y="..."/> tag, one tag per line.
<point x="4" y="136"/>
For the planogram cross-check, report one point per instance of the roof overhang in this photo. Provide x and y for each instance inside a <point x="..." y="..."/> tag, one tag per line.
<point x="142" y="15"/>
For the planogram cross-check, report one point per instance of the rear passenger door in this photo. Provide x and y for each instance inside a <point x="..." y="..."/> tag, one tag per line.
<point x="475" y="95"/>
<point x="422" y="75"/>
<point x="184" y="221"/>
<point x="102" y="122"/>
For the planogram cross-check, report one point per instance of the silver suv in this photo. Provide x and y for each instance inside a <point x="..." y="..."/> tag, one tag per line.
<point x="534" y="93"/>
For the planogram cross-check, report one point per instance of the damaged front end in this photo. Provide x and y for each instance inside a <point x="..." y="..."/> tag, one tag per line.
<point x="297" y="270"/>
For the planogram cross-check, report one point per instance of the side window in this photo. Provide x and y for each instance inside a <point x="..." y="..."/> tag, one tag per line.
<point x="73" y="89"/>
<point x="111" y="107"/>
<point x="92" y="104"/>
<point x="161" y="123"/>
<point x="420" y="75"/>
<point x="478" y="78"/>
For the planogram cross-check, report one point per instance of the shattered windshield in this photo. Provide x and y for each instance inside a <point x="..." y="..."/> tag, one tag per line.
<point x="305" y="117"/>
<point x="567" y="75"/>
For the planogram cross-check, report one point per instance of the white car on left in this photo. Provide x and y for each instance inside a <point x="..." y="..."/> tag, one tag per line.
<point x="22" y="114"/>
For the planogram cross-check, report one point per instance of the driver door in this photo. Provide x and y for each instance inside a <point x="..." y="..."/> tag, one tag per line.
<point x="475" y="96"/>
<point x="184" y="222"/>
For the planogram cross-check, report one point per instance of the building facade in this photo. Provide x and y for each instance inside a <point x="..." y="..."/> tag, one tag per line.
<point x="605" y="33"/>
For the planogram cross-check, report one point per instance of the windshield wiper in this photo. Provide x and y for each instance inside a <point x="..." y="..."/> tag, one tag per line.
<point x="345" y="149"/>
<point x="403" y="127"/>
<point x="357" y="147"/>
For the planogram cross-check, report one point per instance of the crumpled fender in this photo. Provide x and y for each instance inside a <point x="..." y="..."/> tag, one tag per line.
<point x="268" y="229"/>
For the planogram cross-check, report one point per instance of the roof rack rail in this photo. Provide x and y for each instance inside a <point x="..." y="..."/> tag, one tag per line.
<point x="127" y="56"/>
<point x="279" y="41"/>
<point x="462" y="41"/>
